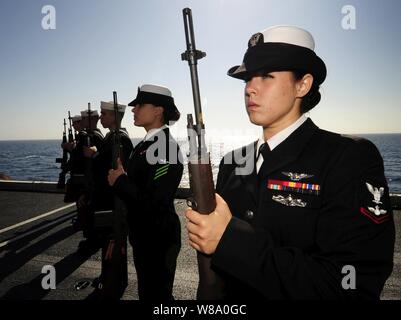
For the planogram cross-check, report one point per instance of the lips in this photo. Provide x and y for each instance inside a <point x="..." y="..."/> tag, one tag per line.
<point x="252" y="105"/>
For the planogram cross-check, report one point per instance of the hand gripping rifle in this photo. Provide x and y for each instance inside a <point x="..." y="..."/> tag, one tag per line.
<point x="63" y="161"/>
<point x="199" y="167"/>
<point x="114" y="278"/>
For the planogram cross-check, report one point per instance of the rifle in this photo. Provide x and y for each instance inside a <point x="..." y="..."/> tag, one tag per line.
<point x="199" y="167"/>
<point x="88" y="161"/>
<point x="114" y="277"/>
<point x="63" y="161"/>
<point x="70" y="134"/>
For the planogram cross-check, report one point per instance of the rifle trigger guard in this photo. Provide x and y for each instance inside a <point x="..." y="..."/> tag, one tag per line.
<point x="191" y="203"/>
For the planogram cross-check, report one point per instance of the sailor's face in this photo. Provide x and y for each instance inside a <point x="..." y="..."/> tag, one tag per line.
<point x="76" y="125"/>
<point x="144" y="114"/>
<point x="84" y="122"/>
<point x="107" y="118"/>
<point x="270" y="100"/>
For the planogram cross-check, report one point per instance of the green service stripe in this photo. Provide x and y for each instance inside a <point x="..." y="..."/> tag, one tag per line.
<point x="160" y="175"/>
<point x="162" y="168"/>
<point x="161" y="172"/>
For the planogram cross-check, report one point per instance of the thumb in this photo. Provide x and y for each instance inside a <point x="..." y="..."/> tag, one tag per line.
<point x="119" y="164"/>
<point x="220" y="201"/>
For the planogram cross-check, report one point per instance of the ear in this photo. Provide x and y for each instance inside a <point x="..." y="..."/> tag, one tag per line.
<point x="304" y="85"/>
<point x="159" y="110"/>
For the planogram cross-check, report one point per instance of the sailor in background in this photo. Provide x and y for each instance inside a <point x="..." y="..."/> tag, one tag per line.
<point x="103" y="156"/>
<point x="103" y="197"/>
<point x="76" y="124"/>
<point x="316" y="202"/>
<point x="148" y="188"/>
<point x="90" y="136"/>
<point x="75" y="165"/>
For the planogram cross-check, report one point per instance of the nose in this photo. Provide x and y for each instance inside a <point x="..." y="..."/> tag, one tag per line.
<point x="251" y="86"/>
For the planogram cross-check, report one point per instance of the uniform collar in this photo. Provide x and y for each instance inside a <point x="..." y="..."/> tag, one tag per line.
<point x="290" y="149"/>
<point x="111" y="132"/>
<point x="153" y="132"/>
<point x="279" y="137"/>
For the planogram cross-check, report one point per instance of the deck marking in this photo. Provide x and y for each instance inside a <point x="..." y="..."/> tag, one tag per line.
<point x="66" y="218"/>
<point x="36" y="218"/>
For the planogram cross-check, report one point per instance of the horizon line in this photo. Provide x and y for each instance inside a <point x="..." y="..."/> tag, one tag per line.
<point x="179" y="137"/>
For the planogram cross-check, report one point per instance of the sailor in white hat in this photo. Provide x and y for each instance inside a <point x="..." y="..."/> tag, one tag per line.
<point x="286" y="229"/>
<point x="109" y="121"/>
<point x="93" y="117"/>
<point x="102" y="161"/>
<point x="89" y="137"/>
<point x="107" y="114"/>
<point x="76" y="123"/>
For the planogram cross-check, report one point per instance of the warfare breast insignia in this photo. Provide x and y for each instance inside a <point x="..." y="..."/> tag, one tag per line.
<point x="289" y="201"/>
<point x="297" y="176"/>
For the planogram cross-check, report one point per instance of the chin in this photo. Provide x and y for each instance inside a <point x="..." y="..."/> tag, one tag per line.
<point x="255" y="120"/>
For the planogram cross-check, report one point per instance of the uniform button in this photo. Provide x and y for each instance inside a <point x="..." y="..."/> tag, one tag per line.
<point x="249" y="214"/>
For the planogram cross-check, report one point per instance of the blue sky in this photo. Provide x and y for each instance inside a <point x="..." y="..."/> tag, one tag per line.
<point x="101" y="45"/>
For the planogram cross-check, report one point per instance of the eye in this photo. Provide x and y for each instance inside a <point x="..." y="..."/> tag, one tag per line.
<point x="267" y="76"/>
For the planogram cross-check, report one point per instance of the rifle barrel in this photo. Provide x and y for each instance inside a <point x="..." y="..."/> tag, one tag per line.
<point x="192" y="55"/>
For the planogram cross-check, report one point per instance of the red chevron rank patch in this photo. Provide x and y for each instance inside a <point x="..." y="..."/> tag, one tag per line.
<point x="377" y="215"/>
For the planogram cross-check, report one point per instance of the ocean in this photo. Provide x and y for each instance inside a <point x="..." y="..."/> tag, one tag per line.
<point x="35" y="160"/>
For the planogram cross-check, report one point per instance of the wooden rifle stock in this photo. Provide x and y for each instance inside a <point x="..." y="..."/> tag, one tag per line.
<point x="200" y="175"/>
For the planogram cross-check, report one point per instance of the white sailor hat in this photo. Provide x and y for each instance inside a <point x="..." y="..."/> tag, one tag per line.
<point x="76" y="118"/>
<point x="110" y="106"/>
<point x="94" y="113"/>
<point x="280" y="48"/>
<point x="158" y="96"/>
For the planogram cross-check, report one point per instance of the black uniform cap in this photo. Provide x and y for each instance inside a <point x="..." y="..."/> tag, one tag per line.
<point x="158" y="96"/>
<point x="281" y="48"/>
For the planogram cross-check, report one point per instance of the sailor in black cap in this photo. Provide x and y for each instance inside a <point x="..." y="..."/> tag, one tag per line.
<point x="148" y="188"/>
<point x="316" y="203"/>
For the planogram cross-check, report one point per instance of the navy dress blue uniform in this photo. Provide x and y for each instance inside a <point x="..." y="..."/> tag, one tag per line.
<point x="148" y="191"/>
<point x="76" y="166"/>
<point x="102" y="163"/>
<point x="86" y="212"/>
<point x="319" y="203"/>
